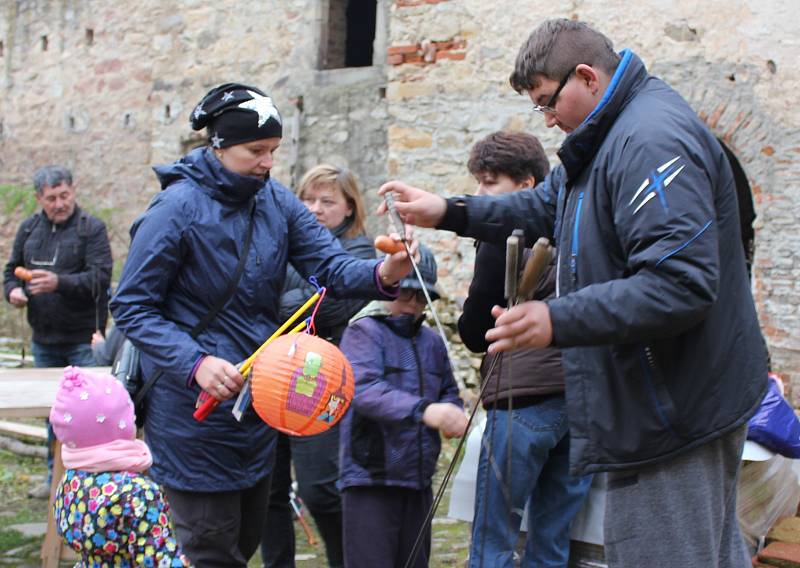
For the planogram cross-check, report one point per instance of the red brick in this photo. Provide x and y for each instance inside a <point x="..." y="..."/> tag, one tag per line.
<point x="403" y="49"/>
<point x="781" y="554"/>
<point x="395" y="59"/>
<point x="108" y="66"/>
<point x="715" y="115"/>
<point x="412" y="59"/>
<point x="454" y="55"/>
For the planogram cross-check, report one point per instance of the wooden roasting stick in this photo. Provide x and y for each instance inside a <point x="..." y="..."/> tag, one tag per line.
<point x="540" y="257"/>
<point x="512" y="269"/>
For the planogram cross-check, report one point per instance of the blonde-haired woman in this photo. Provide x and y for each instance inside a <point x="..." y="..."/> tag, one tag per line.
<point x="332" y="195"/>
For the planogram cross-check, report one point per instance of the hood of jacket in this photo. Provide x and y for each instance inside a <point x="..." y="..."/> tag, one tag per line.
<point x="203" y="169"/>
<point x="406" y="326"/>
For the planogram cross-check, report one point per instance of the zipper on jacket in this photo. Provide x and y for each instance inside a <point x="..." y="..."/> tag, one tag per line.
<point x="573" y="259"/>
<point x="650" y="360"/>
<point x="421" y="425"/>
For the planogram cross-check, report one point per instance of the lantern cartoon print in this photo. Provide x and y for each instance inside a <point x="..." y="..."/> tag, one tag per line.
<point x="302" y="385"/>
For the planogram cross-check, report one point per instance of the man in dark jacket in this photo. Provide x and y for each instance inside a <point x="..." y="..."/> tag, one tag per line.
<point x="662" y="352"/>
<point x="69" y="258"/>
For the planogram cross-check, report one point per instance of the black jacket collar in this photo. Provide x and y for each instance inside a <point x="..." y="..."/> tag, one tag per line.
<point x="582" y="144"/>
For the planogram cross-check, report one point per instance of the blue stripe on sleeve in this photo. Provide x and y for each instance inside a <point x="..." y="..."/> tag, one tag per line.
<point x="686" y="244"/>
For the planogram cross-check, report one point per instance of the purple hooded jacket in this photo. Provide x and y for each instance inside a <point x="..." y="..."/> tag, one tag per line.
<point x="400" y="367"/>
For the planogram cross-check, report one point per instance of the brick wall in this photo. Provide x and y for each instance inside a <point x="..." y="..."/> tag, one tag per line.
<point x="725" y="58"/>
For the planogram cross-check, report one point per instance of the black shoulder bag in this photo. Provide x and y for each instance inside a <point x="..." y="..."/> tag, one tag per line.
<point x="126" y="367"/>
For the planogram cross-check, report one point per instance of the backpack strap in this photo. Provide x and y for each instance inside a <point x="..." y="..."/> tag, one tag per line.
<point x="33" y="224"/>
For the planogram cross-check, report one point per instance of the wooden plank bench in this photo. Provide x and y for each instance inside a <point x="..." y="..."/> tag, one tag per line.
<point x="23" y="430"/>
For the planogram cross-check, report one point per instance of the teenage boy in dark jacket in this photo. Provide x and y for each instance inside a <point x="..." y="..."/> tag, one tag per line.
<point x="390" y="439"/>
<point x="526" y="423"/>
<point x="663" y="357"/>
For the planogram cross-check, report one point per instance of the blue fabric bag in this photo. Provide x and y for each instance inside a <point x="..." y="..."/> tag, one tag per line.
<point x="775" y="425"/>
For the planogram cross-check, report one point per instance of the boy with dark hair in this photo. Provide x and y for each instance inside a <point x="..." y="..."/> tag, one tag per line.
<point x="507" y="161"/>
<point x="527" y="428"/>
<point x="662" y="351"/>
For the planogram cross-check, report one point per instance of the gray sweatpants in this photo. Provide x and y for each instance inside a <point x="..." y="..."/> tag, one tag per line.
<point x="678" y="513"/>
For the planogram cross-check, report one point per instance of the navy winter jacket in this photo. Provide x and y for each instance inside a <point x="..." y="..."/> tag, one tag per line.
<point x="399" y="367"/>
<point x="184" y="250"/>
<point x="662" y="348"/>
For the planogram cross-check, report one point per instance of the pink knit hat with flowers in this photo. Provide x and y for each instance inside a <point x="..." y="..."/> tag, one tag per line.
<point x="91" y="409"/>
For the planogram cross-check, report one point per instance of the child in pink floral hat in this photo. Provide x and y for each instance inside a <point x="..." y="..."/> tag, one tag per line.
<point x="106" y="508"/>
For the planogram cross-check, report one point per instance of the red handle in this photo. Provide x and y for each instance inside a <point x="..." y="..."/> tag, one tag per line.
<point x="205" y="409"/>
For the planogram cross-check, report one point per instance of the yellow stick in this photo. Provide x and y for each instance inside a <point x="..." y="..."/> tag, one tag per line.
<point x="208" y="406"/>
<point x="246" y="373"/>
<point x="300" y="311"/>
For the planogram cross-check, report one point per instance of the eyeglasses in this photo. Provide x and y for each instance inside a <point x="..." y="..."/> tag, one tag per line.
<point x="407" y="294"/>
<point x="551" y="104"/>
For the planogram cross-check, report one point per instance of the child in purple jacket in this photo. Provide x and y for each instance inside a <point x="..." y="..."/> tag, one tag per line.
<point x="390" y="440"/>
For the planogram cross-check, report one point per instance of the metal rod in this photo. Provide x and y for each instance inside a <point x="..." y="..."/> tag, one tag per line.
<point x="397" y="223"/>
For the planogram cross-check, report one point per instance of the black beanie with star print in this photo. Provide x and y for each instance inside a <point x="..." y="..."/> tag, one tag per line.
<point x="234" y="114"/>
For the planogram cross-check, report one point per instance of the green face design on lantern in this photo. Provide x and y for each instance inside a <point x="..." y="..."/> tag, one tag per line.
<point x="308" y="382"/>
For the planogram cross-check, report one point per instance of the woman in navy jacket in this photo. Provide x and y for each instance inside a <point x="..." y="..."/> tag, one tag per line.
<point x="184" y="250"/>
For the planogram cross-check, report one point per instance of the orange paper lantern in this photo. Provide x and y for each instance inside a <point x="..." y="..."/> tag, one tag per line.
<point x="302" y="385"/>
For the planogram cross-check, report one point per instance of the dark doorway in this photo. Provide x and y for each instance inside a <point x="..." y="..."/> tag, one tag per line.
<point x="747" y="211"/>
<point x="360" y="32"/>
<point x="350" y="33"/>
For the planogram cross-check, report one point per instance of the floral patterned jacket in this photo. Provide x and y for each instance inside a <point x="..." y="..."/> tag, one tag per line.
<point x="116" y="519"/>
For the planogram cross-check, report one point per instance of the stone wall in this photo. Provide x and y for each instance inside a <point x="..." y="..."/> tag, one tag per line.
<point x="115" y="101"/>
<point x="449" y="64"/>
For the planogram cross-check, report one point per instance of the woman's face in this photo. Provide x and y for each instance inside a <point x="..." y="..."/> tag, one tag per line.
<point x="328" y="203"/>
<point x="253" y="159"/>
